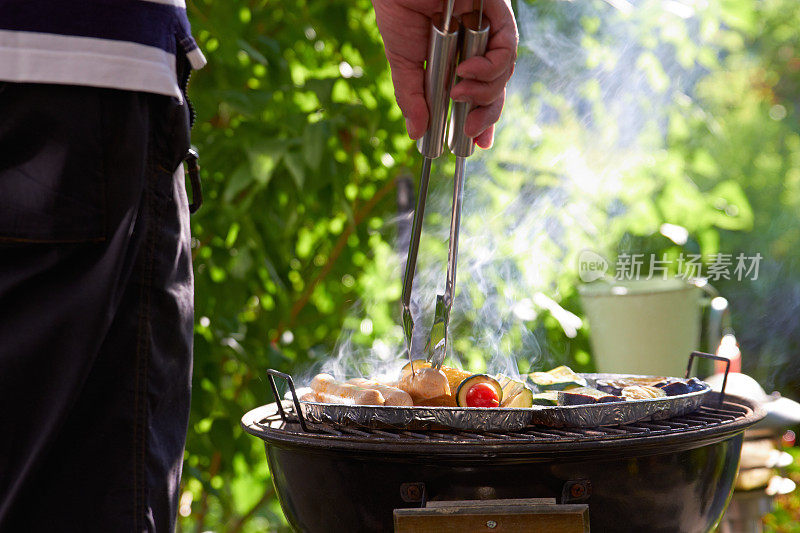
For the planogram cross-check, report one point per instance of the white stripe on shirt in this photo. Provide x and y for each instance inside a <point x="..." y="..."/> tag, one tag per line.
<point x="51" y="58"/>
<point x="176" y="3"/>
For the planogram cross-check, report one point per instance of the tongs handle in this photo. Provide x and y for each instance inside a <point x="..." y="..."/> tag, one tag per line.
<point x="475" y="37"/>
<point x="439" y="73"/>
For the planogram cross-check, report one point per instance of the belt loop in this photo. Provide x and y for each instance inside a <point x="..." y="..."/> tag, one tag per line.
<point x="194" y="178"/>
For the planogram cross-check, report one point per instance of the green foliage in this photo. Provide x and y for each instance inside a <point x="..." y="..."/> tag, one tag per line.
<point x="785" y="517"/>
<point x="745" y="142"/>
<point x="616" y="123"/>
<point x="300" y="142"/>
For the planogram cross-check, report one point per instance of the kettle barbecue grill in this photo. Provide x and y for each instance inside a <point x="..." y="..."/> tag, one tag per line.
<point x="672" y="475"/>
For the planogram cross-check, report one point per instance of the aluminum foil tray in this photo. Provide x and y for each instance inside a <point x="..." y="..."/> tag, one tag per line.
<point x="507" y="419"/>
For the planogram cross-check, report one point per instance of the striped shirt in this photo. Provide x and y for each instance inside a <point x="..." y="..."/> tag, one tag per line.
<point x="120" y="44"/>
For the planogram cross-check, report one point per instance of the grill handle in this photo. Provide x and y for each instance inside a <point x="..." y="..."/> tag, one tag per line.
<point x="272" y="374"/>
<point x="716" y="358"/>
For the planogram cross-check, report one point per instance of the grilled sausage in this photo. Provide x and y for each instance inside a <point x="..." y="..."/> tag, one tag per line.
<point x="329" y="390"/>
<point x="309" y="397"/>
<point x="392" y="395"/>
<point x="424" y="384"/>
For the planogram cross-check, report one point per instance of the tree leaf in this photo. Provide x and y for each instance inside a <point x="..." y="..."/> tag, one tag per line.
<point x="733" y="209"/>
<point x="252" y="52"/>
<point x="294" y="164"/>
<point x="314" y="138"/>
<point x="238" y="181"/>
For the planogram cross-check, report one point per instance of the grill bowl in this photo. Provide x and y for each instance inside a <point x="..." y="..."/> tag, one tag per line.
<point x="674" y="475"/>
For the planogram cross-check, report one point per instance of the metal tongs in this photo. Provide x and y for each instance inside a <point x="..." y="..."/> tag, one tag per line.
<point x="450" y="43"/>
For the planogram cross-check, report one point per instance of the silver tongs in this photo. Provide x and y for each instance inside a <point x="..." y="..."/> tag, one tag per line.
<point x="450" y="43"/>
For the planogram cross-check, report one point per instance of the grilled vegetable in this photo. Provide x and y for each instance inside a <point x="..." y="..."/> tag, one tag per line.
<point x="585" y="395"/>
<point x="674" y="387"/>
<point x="545" y="398"/>
<point x="610" y="386"/>
<point x="696" y="384"/>
<point x="511" y="387"/>
<point x="455" y="376"/>
<point x="559" y="378"/>
<point x="479" y="390"/>
<point x="615" y="386"/>
<point x="515" y="393"/>
<point x="481" y="395"/>
<point x="642" y="392"/>
<point x="522" y="400"/>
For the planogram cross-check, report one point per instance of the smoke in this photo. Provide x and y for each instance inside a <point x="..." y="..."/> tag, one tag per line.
<point x="586" y="109"/>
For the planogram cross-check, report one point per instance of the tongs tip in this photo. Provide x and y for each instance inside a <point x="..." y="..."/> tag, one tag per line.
<point x="436" y="348"/>
<point x="408" y="330"/>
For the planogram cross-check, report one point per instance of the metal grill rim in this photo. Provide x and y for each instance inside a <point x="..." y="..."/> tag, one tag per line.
<point x="705" y="417"/>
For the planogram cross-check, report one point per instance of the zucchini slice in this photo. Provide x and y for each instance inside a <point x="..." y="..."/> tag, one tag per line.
<point x="545" y="398"/>
<point x="559" y="378"/>
<point x="511" y="387"/>
<point x="523" y="399"/>
<point x="515" y="393"/>
<point x="475" y="379"/>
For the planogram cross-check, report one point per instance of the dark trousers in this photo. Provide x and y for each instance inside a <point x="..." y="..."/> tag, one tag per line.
<point x="95" y="309"/>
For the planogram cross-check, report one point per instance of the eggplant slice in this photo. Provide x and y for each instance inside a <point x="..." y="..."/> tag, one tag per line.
<point x="586" y="395"/>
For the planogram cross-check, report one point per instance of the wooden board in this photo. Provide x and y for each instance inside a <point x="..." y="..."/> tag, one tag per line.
<point x="484" y="503"/>
<point x="506" y="516"/>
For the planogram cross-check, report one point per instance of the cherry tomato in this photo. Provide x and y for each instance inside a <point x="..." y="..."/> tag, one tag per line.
<point x="482" y="395"/>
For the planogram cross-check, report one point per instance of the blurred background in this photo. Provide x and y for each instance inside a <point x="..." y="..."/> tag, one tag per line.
<point x="669" y="128"/>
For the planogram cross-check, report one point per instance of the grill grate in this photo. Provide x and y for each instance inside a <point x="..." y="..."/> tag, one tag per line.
<point x="705" y="417"/>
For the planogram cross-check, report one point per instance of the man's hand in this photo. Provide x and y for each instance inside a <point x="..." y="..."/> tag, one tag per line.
<point x="405" y="27"/>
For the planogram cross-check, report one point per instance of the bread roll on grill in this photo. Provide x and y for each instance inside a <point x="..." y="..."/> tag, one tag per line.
<point x="424" y="384"/>
<point x="447" y="400"/>
<point x="391" y="395"/>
